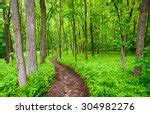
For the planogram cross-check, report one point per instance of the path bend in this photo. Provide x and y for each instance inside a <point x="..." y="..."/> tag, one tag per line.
<point x="67" y="83"/>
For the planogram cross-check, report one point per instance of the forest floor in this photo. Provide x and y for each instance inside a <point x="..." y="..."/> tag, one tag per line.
<point x="67" y="83"/>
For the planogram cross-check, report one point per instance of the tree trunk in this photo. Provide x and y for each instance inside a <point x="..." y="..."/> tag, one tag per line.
<point x="65" y="37"/>
<point x="141" y="35"/>
<point x="124" y="38"/>
<point x="85" y="30"/>
<point x="147" y="31"/>
<point x="74" y="31"/>
<point x="91" y="30"/>
<point x="48" y="40"/>
<point x="7" y="17"/>
<point x="31" y="60"/>
<point x="43" y="31"/>
<point x="123" y="52"/>
<point x="18" y="42"/>
<point x="60" y="28"/>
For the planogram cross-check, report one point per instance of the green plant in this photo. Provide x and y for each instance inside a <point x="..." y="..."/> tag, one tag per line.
<point x="37" y="84"/>
<point x="104" y="76"/>
<point x="145" y="78"/>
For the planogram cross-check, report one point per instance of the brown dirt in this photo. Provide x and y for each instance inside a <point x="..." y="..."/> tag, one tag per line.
<point x="67" y="83"/>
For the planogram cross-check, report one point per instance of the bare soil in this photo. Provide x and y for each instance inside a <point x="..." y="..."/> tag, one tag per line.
<point x="67" y="83"/>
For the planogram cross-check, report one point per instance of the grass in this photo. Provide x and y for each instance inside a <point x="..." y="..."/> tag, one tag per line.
<point x="104" y="76"/>
<point x="37" y="84"/>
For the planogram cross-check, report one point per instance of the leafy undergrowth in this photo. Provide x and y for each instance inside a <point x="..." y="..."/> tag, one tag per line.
<point x="145" y="79"/>
<point x="104" y="76"/>
<point x="37" y="83"/>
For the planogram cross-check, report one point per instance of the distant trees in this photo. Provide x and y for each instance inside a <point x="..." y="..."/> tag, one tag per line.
<point x="18" y="42"/>
<point x="31" y="58"/>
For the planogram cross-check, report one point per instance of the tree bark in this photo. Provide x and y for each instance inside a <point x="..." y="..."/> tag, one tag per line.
<point x="18" y="41"/>
<point x="141" y="34"/>
<point x="43" y="31"/>
<point x="31" y="59"/>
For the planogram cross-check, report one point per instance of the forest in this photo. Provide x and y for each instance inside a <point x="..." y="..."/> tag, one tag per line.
<point x="74" y="48"/>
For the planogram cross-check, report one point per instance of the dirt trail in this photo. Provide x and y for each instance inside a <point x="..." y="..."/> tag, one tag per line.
<point x="67" y="83"/>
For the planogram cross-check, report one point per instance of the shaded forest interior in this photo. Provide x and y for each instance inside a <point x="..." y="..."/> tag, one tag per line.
<point x="107" y="42"/>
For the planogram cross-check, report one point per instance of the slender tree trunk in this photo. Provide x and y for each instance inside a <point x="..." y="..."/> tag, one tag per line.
<point x="65" y="37"/>
<point x="43" y="31"/>
<point x="79" y="36"/>
<point x="7" y="17"/>
<point x="141" y="35"/>
<point x="74" y="30"/>
<point x="31" y="60"/>
<point x="91" y="30"/>
<point x="147" y="31"/>
<point x="124" y="38"/>
<point x="60" y="28"/>
<point x="134" y="27"/>
<point x="18" y="41"/>
<point x="48" y="39"/>
<point x="123" y="52"/>
<point x="85" y="30"/>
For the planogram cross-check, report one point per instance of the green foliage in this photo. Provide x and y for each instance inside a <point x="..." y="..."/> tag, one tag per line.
<point x="37" y="83"/>
<point x="103" y="16"/>
<point x="104" y="76"/>
<point x="8" y="78"/>
<point x="145" y="78"/>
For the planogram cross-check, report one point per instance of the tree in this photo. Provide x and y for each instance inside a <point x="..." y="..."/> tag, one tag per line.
<point x="147" y="35"/>
<point x="31" y="59"/>
<point x="141" y="34"/>
<point x="123" y="39"/>
<point x="74" y="30"/>
<point x="91" y="30"/>
<point x="43" y="30"/>
<point x="7" y="18"/>
<point x="18" y="42"/>
<point x="60" y="29"/>
<point x="85" y="30"/>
